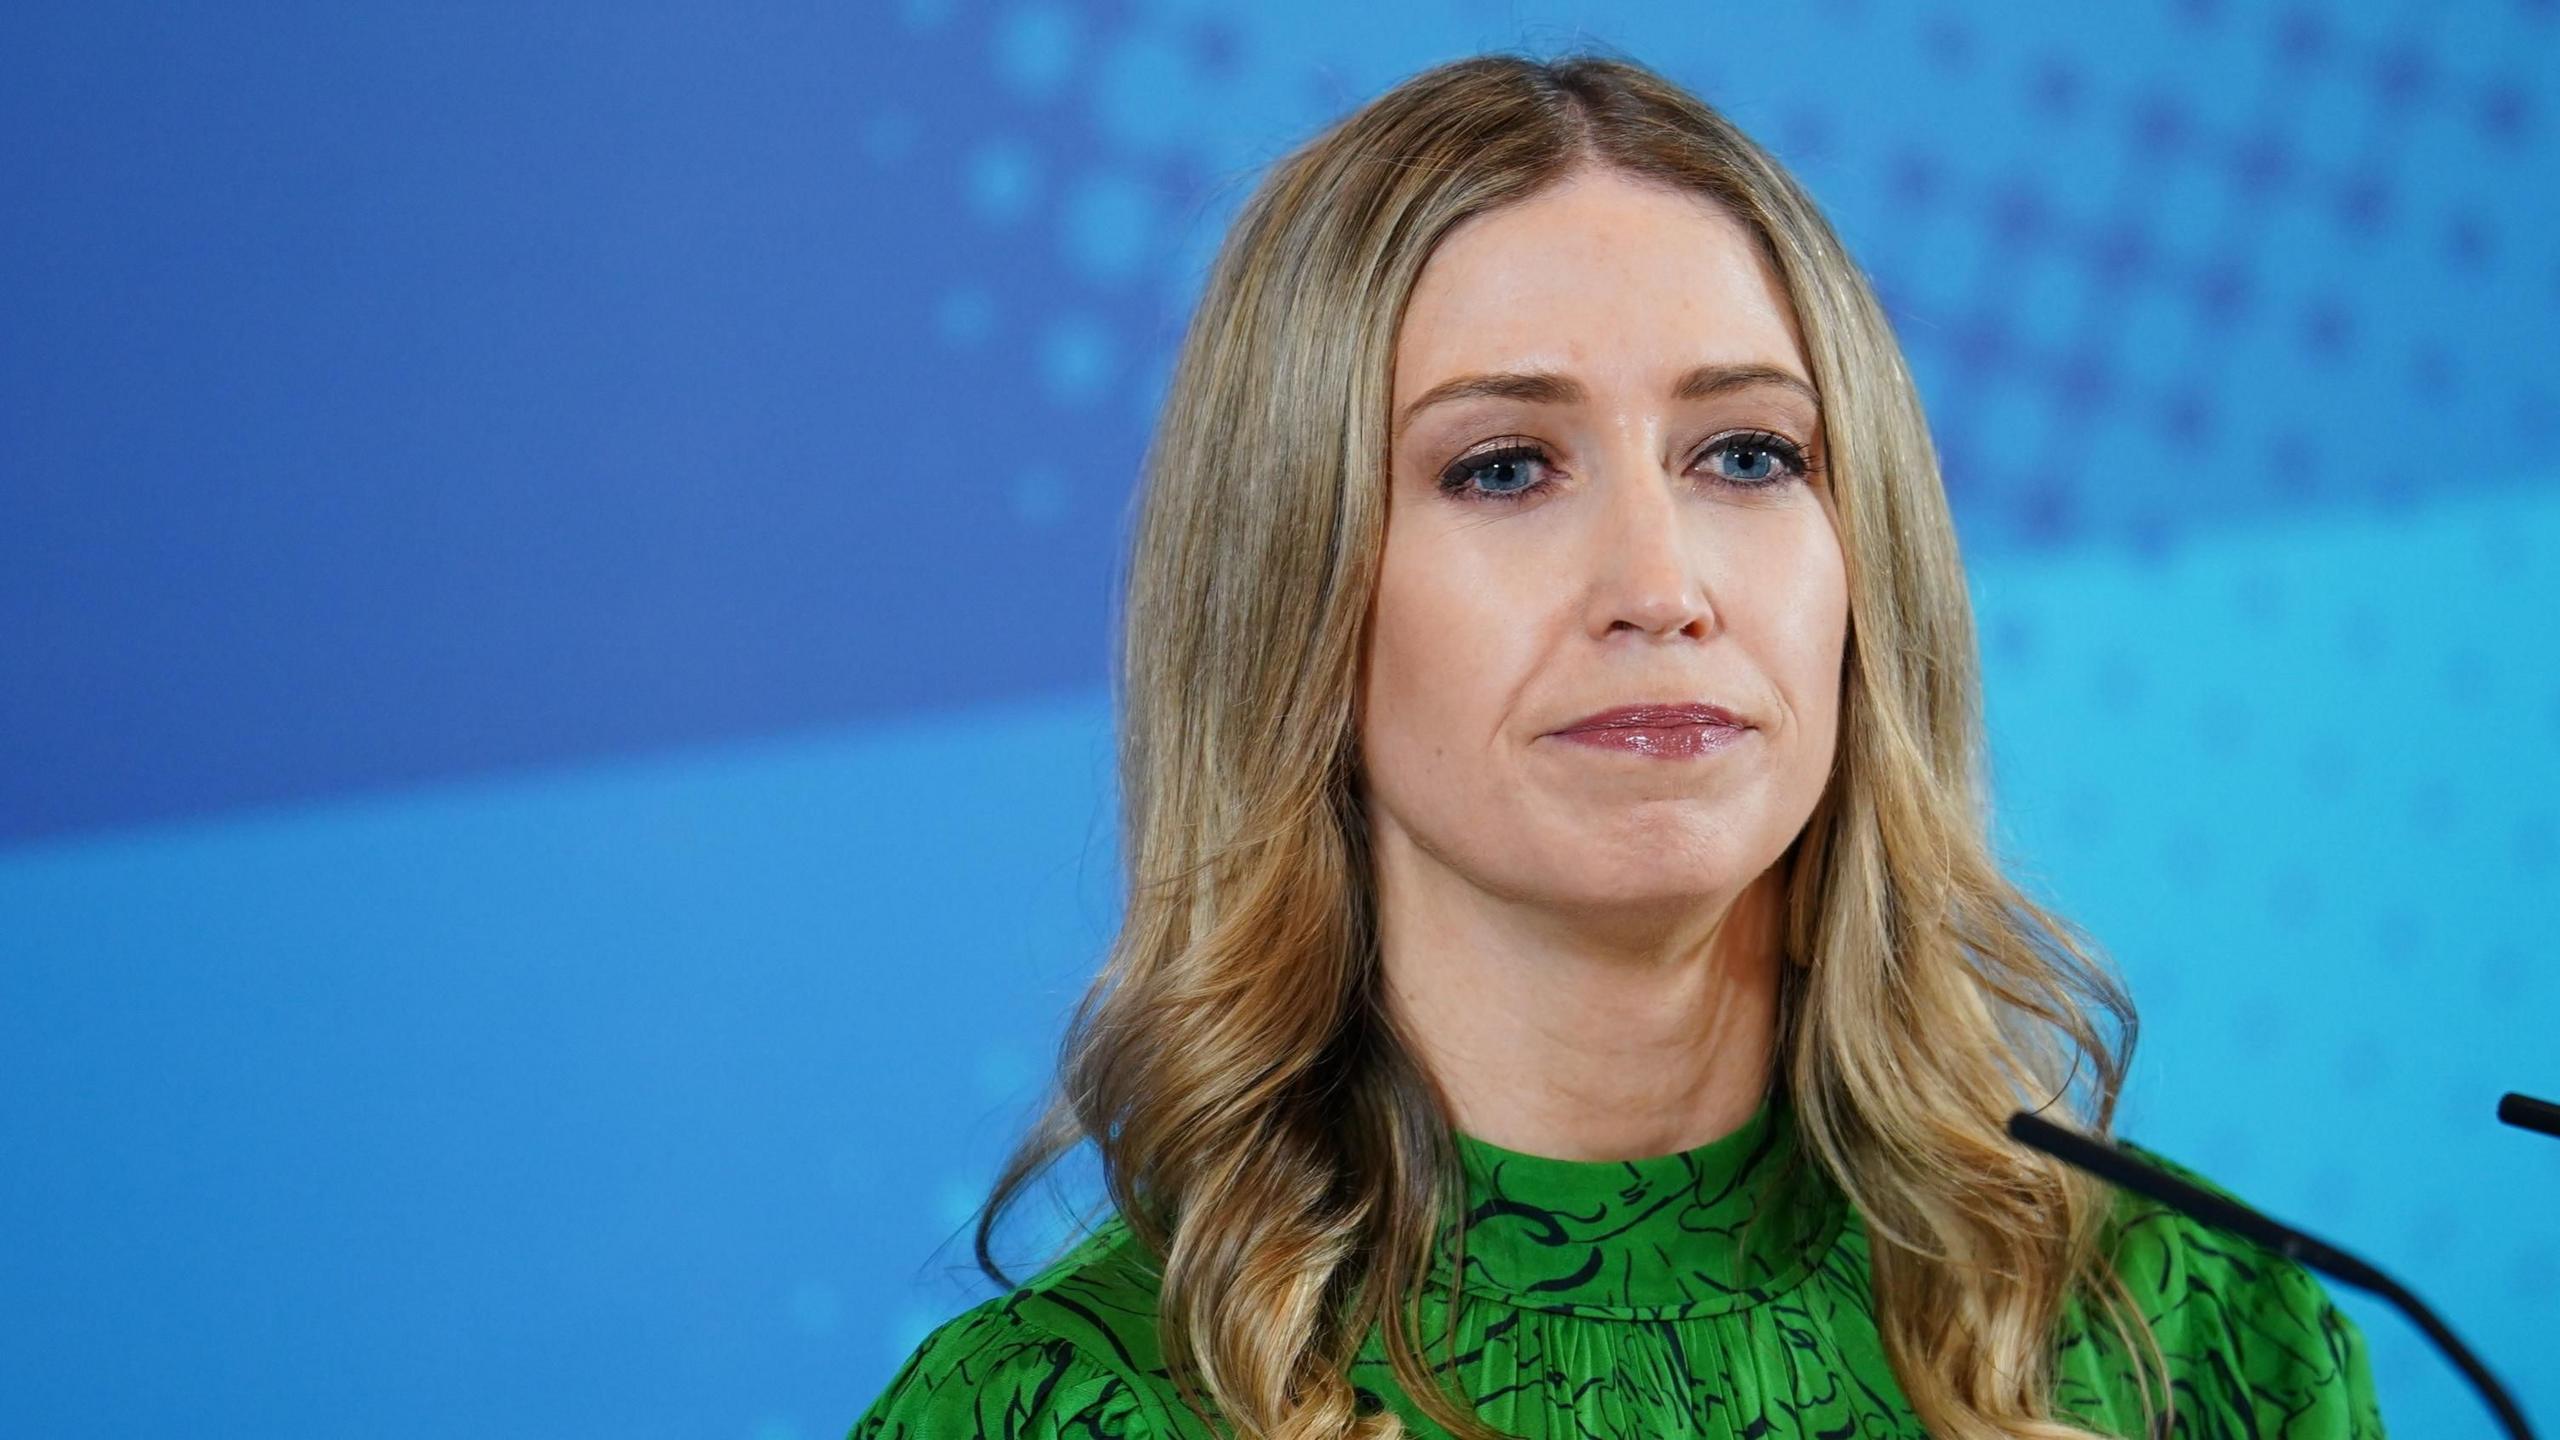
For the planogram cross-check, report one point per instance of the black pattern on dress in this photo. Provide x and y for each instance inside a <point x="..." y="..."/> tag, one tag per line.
<point x="1615" y="1300"/>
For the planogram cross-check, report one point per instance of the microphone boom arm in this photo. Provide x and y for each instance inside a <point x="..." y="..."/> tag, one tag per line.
<point x="2130" y="1172"/>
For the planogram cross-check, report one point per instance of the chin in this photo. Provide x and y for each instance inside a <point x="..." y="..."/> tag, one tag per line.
<point x="1701" y="846"/>
<point x="1644" y="882"/>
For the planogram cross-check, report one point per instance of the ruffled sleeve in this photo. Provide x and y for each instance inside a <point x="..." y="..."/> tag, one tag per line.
<point x="2255" y="1342"/>
<point x="996" y="1372"/>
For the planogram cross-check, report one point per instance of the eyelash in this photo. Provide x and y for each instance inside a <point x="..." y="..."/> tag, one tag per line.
<point x="1791" y="456"/>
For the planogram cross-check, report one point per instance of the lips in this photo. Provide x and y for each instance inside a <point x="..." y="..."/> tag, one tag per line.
<point x="1658" y="715"/>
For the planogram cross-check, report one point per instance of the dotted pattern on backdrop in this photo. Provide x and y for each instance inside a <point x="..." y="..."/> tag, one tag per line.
<point x="2220" y="230"/>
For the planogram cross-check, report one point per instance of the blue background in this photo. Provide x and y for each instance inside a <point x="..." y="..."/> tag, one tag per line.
<point x="554" y="568"/>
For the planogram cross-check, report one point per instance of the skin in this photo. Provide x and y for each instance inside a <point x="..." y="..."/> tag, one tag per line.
<point x="1582" y="943"/>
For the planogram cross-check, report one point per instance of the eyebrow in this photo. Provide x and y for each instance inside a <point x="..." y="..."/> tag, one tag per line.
<point x="1545" y="387"/>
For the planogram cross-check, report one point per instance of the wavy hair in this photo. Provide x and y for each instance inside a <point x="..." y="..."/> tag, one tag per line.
<point x="1262" y="1127"/>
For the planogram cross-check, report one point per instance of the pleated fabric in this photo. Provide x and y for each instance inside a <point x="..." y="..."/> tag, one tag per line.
<point x="1722" y="1292"/>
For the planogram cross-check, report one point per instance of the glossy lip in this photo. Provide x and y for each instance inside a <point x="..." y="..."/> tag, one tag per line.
<point x="1658" y="715"/>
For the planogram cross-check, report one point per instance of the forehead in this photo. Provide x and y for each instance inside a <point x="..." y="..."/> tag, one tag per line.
<point x="1600" y="273"/>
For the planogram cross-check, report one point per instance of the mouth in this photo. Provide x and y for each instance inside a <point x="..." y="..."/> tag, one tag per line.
<point x="1673" y="730"/>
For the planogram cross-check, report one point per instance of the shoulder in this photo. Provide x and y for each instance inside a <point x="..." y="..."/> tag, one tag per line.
<point x="1071" y="1352"/>
<point x="2249" y="1334"/>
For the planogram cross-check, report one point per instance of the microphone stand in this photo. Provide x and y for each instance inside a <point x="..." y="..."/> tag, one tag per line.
<point x="2132" y="1173"/>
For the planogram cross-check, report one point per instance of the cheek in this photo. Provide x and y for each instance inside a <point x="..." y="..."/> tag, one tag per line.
<point x="1412" y="668"/>
<point x="1439" y="655"/>
<point x="1801" y="616"/>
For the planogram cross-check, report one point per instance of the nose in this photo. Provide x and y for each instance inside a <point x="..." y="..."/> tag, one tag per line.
<point x="1643" y="569"/>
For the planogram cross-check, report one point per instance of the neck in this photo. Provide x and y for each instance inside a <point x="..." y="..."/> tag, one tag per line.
<point x="1583" y="1036"/>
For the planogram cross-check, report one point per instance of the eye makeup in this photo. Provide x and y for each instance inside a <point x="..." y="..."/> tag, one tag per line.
<point x="1768" y="460"/>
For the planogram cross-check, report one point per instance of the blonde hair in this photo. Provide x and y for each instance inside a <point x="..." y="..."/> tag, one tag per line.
<point x="1261" y="1125"/>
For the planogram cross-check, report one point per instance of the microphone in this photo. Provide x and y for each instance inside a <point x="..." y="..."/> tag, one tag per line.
<point x="2526" y="1113"/>
<point x="2133" y="1173"/>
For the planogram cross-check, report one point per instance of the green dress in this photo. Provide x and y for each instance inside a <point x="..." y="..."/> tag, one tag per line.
<point x="1611" y="1298"/>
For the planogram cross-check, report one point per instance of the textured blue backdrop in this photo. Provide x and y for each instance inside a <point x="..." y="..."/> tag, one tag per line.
<point x="554" y="566"/>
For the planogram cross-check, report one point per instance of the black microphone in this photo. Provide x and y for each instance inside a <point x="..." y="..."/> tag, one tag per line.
<point x="2131" y="1172"/>
<point x="2526" y="1113"/>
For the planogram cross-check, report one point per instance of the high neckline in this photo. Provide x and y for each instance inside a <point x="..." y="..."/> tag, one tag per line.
<point x="1651" y="1237"/>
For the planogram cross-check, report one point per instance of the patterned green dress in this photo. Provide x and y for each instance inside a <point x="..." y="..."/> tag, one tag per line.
<point x="1611" y="1299"/>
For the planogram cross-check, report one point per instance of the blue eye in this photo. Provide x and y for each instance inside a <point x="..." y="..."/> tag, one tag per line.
<point x="1502" y="466"/>
<point x="1766" y="459"/>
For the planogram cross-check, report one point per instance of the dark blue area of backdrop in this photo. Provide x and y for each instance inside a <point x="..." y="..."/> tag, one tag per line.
<point x="554" y="576"/>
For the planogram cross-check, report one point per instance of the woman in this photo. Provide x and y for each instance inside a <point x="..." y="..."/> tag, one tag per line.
<point x="1565" y="988"/>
